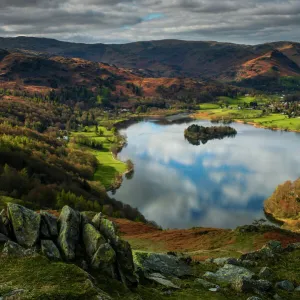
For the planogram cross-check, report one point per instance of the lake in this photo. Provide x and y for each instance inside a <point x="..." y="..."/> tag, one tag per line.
<point x="222" y="183"/>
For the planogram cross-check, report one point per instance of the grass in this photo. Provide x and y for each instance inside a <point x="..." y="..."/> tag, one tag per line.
<point x="272" y="121"/>
<point x="42" y="279"/>
<point x="4" y="200"/>
<point x="109" y="167"/>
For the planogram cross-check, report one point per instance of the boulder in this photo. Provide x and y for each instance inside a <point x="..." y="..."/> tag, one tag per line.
<point x="245" y="285"/>
<point x="297" y="289"/>
<point x="163" y="281"/>
<point x="225" y="260"/>
<point x="3" y="223"/>
<point x="69" y="232"/>
<point x="104" y="259"/>
<point x="125" y="262"/>
<point x="270" y="250"/>
<point x="266" y="273"/>
<point x="106" y="227"/>
<point x="254" y="298"/>
<point x="92" y="239"/>
<point x="51" y="222"/>
<point x="25" y="224"/>
<point x="3" y="238"/>
<point x="50" y="250"/>
<point x="168" y="265"/>
<point x="229" y="273"/>
<point x="203" y="283"/>
<point x="285" y="285"/>
<point x="44" y="232"/>
<point x="13" y="249"/>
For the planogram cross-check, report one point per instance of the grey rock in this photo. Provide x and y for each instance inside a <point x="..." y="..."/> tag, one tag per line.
<point x="51" y="222"/>
<point x="229" y="273"/>
<point x="92" y="239"/>
<point x="215" y="289"/>
<point x="225" y="260"/>
<point x="104" y="257"/>
<point x="297" y="289"/>
<point x="247" y="263"/>
<point x="15" y="294"/>
<point x="3" y="238"/>
<point x="15" y="250"/>
<point x="204" y="283"/>
<point x="277" y="297"/>
<point x="3" y="223"/>
<point x="245" y="285"/>
<point x="285" y="285"/>
<point x="69" y="233"/>
<point x="44" y="232"/>
<point x="293" y="246"/>
<point x="50" y="250"/>
<point x="266" y="273"/>
<point x="168" y="265"/>
<point x="254" y="298"/>
<point x="106" y="227"/>
<point x="25" y="223"/>
<point x="164" y="282"/>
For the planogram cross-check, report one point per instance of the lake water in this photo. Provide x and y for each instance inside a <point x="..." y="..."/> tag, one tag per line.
<point x="222" y="183"/>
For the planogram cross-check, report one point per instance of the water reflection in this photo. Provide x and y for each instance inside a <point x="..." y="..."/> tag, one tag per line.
<point x="222" y="183"/>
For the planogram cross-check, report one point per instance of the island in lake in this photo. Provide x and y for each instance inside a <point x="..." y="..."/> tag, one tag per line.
<point x="196" y="134"/>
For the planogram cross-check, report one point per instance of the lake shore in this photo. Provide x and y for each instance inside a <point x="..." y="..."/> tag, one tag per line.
<point x="211" y="114"/>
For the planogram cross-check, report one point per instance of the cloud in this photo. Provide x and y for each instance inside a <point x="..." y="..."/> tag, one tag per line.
<point x="130" y="20"/>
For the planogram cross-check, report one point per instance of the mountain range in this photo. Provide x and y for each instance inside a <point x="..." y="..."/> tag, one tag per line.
<point x="176" y="58"/>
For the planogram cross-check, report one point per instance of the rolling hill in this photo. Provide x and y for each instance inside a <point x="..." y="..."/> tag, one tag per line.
<point x="175" y="58"/>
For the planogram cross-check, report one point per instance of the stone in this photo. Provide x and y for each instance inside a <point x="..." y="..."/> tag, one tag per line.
<point x="285" y="285"/>
<point x="246" y="285"/>
<point x="50" y="250"/>
<point x="247" y="263"/>
<point x="163" y="281"/>
<point x="15" y="294"/>
<point x="275" y="246"/>
<point x="254" y="298"/>
<point x="216" y="289"/>
<point x="15" y="250"/>
<point x="168" y="265"/>
<point x="106" y="227"/>
<point x="266" y="273"/>
<point x="51" y="222"/>
<point x="25" y="223"/>
<point x="3" y="238"/>
<point x="92" y="239"/>
<point x="225" y="260"/>
<point x="44" y="232"/>
<point x="3" y="223"/>
<point x="277" y="297"/>
<point x="293" y="246"/>
<point x="229" y="273"/>
<point x="297" y="289"/>
<point x="104" y="259"/>
<point x="204" y="283"/>
<point x="69" y="232"/>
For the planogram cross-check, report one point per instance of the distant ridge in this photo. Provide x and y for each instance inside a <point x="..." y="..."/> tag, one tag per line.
<point x="176" y="58"/>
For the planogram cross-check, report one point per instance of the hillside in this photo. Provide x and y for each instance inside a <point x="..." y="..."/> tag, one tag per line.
<point x="42" y="74"/>
<point x="169" y="58"/>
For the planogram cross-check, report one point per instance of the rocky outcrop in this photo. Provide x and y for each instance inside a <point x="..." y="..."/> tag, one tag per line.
<point x="25" y="224"/>
<point x="73" y="236"/>
<point x="69" y="232"/>
<point x="50" y="250"/>
<point x="168" y="265"/>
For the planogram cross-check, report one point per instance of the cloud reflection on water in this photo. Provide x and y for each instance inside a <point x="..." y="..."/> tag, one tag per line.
<point x="222" y="183"/>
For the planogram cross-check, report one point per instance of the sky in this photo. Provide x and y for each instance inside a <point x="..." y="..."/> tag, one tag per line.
<point x="116" y="21"/>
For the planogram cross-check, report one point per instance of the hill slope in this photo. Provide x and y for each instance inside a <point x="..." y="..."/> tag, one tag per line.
<point x="166" y="58"/>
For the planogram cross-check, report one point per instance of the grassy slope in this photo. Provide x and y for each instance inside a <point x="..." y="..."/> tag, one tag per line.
<point x="272" y="121"/>
<point x="109" y="167"/>
<point x="200" y="243"/>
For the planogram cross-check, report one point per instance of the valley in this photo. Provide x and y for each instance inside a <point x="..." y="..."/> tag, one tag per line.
<point x="147" y="157"/>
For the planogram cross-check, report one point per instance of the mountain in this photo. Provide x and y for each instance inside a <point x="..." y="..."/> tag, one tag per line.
<point x="174" y="58"/>
<point x="36" y="72"/>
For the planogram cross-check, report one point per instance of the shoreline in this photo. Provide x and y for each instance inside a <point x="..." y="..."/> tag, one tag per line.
<point x="195" y="116"/>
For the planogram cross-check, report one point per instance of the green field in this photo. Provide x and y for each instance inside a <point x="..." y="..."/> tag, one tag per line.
<point x="272" y="121"/>
<point x="108" y="167"/>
